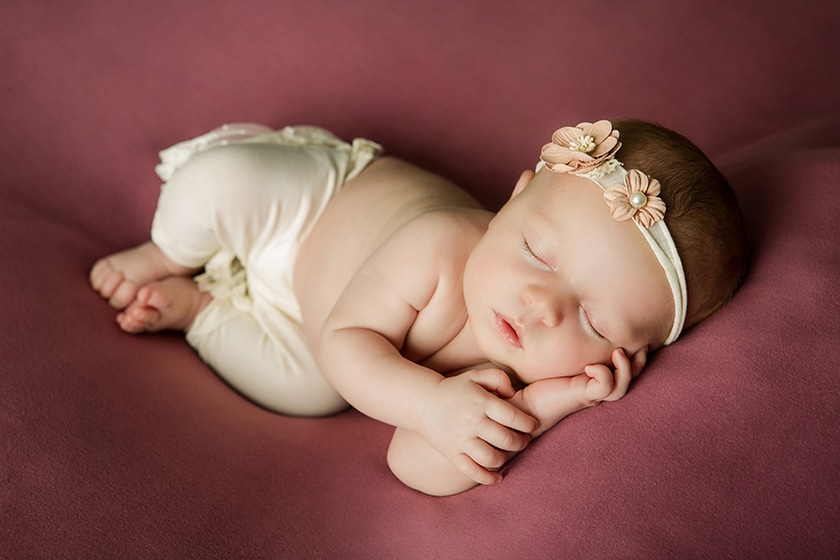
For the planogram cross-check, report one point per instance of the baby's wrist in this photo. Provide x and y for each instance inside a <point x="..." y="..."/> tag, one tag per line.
<point x="426" y="405"/>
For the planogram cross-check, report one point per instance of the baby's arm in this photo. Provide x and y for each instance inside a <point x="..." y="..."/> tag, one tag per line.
<point x="421" y="467"/>
<point x="465" y="418"/>
<point x="551" y="400"/>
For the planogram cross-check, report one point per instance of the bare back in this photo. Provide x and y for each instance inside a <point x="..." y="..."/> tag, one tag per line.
<point x="366" y="212"/>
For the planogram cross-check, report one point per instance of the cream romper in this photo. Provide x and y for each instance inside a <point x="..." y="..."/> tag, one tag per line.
<point x="239" y="201"/>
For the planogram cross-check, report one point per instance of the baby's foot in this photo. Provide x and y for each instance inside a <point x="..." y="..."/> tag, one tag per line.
<point x="170" y="304"/>
<point x="118" y="277"/>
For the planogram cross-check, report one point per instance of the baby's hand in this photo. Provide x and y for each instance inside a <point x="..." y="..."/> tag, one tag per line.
<point x="603" y="384"/>
<point x="550" y="400"/>
<point x="471" y="424"/>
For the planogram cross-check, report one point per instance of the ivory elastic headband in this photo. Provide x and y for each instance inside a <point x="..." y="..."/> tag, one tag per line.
<point x="587" y="150"/>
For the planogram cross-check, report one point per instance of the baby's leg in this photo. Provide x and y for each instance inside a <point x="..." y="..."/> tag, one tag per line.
<point x="268" y="363"/>
<point x="119" y="276"/>
<point x="249" y="201"/>
<point x="170" y="304"/>
<point x="209" y="204"/>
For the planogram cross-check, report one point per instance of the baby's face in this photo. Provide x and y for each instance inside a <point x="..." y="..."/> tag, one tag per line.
<point x="556" y="284"/>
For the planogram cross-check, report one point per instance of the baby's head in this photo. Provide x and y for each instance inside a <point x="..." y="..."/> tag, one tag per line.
<point x="638" y="237"/>
<point x="702" y="214"/>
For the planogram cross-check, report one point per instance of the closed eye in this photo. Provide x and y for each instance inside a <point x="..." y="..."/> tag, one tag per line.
<point x="587" y="325"/>
<point x="533" y="256"/>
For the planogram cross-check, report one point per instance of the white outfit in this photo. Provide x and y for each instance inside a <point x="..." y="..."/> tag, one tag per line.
<point x="240" y="201"/>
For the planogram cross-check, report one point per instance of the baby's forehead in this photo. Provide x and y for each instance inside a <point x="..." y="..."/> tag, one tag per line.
<point x="552" y="194"/>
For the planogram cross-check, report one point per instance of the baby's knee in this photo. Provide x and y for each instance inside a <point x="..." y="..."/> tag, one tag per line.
<point x="220" y="174"/>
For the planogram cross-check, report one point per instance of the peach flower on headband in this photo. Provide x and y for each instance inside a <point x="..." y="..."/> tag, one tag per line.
<point x="637" y="198"/>
<point x="578" y="149"/>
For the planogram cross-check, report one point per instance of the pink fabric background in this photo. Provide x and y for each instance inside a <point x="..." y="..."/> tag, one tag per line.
<point x="114" y="446"/>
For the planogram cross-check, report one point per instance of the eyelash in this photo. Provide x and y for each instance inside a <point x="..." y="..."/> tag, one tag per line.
<point x="532" y="255"/>
<point x="587" y="325"/>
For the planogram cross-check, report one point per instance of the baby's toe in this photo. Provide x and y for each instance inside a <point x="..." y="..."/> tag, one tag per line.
<point x="123" y="294"/>
<point x="135" y="319"/>
<point x="127" y="323"/>
<point x="104" y="279"/>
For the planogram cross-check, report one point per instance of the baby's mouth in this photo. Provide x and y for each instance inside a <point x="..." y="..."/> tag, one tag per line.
<point x="508" y="331"/>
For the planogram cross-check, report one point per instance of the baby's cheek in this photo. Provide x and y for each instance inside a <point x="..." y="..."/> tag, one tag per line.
<point x="597" y="356"/>
<point x="564" y="365"/>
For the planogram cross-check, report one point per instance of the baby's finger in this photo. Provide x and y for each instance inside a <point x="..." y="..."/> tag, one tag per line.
<point x="475" y="472"/>
<point x="500" y="437"/>
<point x="638" y="361"/>
<point x="600" y="373"/>
<point x="494" y="381"/>
<point x="600" y="384"/>
<point x="623" y="375"/>
<point x="504" y="413"/>
<point x="485" y="455"/>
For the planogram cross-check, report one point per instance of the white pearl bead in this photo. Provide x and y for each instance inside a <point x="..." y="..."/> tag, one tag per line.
<point x="638" y="199"/>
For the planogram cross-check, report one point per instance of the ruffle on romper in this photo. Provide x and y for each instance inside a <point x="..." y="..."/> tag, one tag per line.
<point x="224" y="278"/>
<point x="362" y="151"/>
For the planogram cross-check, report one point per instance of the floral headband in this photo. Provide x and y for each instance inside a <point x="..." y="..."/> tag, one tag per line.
<point x="588" y="150"/>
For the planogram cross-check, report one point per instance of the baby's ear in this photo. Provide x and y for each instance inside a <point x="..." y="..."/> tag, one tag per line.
<point x="523" y="181"/>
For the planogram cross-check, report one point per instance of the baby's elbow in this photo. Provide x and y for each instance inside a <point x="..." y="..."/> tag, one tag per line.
<point x="409" y="475"/>
<point x="423" y="477"/>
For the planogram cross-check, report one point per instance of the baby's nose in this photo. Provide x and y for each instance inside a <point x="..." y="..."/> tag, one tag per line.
<point x="546" y="304"/>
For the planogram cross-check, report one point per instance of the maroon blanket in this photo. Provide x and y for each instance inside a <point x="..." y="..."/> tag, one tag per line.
<point x="119" y="446"/>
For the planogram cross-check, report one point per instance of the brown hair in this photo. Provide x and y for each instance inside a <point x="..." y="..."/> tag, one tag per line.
<point x="702" y="212"/>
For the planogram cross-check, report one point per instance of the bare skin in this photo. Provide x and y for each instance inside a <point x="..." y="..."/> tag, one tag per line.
<point x="119" y="277"/>
<point x="414" y="320"/>
<point x="469" y="349"/>
<point x="169" y="304"/>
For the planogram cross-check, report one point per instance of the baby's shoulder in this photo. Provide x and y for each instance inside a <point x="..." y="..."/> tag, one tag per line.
<point x="453" y="227"/>
<point x="433" y="243"/>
